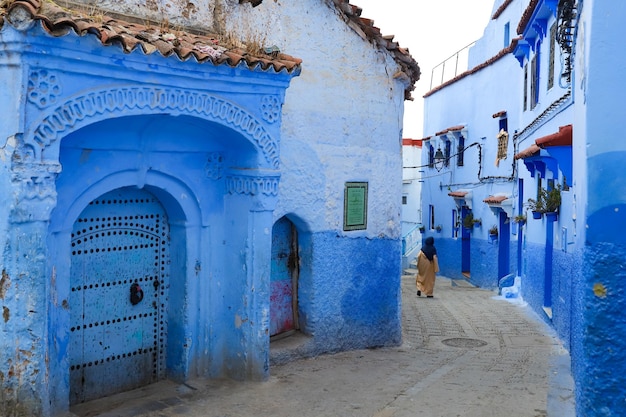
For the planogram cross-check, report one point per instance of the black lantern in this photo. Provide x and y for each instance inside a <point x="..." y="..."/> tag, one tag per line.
<point x="439" y="160"/>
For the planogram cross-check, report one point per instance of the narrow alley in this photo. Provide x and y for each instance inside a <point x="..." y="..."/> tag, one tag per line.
<point x="464" y="354"/>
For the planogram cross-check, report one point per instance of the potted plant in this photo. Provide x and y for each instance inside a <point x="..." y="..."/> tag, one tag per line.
<point x="422" y="228"/>
<point x="552" y="201"/>
<point x="468" y="220"/>
<point x="493" y="233"/>
<point x="520" y="219"/>
<point x="438" y="228"/>
<point x="536" y="206"/>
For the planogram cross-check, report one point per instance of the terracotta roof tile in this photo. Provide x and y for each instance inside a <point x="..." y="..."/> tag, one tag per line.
<point x="495" y="199"/>
<point x="450" y="129"/>
<point x="501" y="9"/>
<point x="499" y="114"/>
<point x="528" y="13"/>
<point x="366" y="29"/>
<point x="561" y="138"/>
<point x="530" y="151"/>
<point x="204" y="47"/>
<point x="412" y="142"/>
<point x="564" y="137"/>
<point x="504" y="52"/>
<point x="457" y="194"/>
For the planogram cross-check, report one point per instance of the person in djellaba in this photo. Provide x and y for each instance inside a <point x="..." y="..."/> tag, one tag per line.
<point x="427" y="267"/>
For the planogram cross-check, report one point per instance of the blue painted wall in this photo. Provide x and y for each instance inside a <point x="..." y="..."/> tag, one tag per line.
<point x="599" y="336"/>
<point x="571" y="269"/>
<point x="227" y="152"/>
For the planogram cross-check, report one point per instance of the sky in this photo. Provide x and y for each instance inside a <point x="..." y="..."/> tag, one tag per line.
<point x="432" y="30"/>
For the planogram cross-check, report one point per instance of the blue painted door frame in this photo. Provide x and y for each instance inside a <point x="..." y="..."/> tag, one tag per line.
<point x="465" y="243"/>
<point x="504" y="242"/>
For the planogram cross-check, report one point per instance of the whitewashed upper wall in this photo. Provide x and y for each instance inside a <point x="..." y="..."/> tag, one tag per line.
<point x="342" y="119"/>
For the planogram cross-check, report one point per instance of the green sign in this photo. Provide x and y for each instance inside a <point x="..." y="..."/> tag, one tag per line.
<point x="355" y="206"/>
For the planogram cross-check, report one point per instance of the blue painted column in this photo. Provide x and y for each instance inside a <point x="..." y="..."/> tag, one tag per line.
<point x="25" y="291"/>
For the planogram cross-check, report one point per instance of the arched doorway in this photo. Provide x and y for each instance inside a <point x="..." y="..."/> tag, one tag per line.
<point x="119" y="281"/>
<point x="284" y="279"/>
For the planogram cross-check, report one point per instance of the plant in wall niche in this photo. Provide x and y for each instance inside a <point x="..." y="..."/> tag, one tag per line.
<point x="493" y="233"/>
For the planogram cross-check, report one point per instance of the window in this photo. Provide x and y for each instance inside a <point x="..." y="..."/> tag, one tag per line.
<point x="404" y="199"/>
<point x="525" y="87"/>
<point x="460" y="151"/>
<point x="447" y="152"/>
<point x="456" y="224"/>
<point x="431" y="217"/>
<point x="431" y="156"/>
<point x="551" y="59"/>
<point x="507" y="34"/>
<point x="504" y="124"/>
<point x="534" y="81"/>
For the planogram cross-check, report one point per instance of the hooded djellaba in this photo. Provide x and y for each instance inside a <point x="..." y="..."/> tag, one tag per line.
<point x="427" y="267"/>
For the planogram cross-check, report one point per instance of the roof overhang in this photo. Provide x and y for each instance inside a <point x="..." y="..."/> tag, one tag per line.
<point x="501" y="202"/>
<point x="462" y="198"/>
<point x="550" y="153"/>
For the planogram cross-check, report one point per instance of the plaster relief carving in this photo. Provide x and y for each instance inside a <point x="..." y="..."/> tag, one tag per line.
<point x="214" y="166"/>
<point x="252" y="185"/>
<point x="270" y="108"/>
<point x="43" y="88"/>
<point x="104" y="104"/>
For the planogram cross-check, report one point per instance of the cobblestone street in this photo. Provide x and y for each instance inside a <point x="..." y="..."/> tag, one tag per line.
<point x="464" y="354"/>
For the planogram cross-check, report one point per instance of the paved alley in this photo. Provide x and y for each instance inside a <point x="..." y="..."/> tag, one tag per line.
<point x="464" y="354"/>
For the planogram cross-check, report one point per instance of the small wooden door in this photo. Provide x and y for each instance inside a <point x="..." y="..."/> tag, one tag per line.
<point x="118" y="296"/>
<point x="284" y="278"/>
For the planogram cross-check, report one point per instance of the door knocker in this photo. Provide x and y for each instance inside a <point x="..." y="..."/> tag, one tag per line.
<point x="136" y="294"/>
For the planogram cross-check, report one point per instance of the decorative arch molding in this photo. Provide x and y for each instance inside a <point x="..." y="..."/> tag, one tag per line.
<point x="123" y="101"/>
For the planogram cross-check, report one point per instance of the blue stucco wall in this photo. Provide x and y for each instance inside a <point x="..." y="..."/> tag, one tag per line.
<point x="599" y="336"/>
<point x="225" y="165"/>
<point x="349" y="294"/>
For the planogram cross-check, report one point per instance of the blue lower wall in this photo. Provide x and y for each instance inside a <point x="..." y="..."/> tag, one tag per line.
<point x="349" y="291"/>
<point x="483" y="260"/>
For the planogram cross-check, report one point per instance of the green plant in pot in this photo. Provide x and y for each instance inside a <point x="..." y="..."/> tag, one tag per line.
<point x="520" y="219"/>
<point x="552" y="199"/>
<point x="536" y="206"/>
<point x="468" y="220"/>
<point x="493" y="230"/>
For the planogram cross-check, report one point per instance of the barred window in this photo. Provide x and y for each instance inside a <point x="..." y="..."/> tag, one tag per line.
<point x="552" y="51"/>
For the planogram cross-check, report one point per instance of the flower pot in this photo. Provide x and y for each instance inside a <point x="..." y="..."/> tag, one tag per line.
<point x="552" y="216"/>
<point x="537" y="214"/>
<point x="493" y="238"/>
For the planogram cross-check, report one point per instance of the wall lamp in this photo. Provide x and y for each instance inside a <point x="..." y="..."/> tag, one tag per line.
<point x="439" y="160"/>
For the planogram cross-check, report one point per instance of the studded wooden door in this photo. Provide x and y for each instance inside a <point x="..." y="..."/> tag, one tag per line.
<point x="118" y="299"/>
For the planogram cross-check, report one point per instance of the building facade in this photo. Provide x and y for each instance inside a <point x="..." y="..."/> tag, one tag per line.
<point x="521" y="142"/>
<point x="178" y="190"/>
